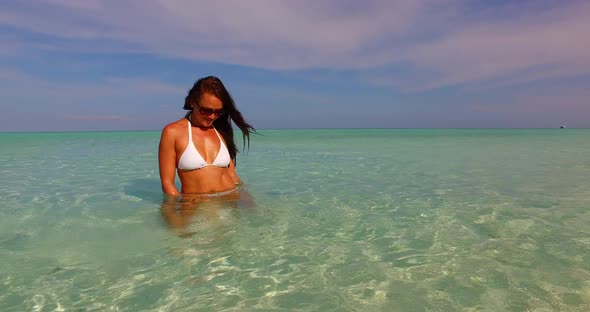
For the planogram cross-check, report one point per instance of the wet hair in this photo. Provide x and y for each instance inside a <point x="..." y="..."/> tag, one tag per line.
<point x="213" y="85"/>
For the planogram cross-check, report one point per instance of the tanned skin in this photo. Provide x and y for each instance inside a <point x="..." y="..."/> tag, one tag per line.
<point x="174" y="140"/>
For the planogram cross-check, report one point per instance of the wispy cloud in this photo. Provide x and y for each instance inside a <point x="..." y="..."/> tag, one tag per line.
<point x="553" y="100"/>
<point x="540" y="45"/>
<point x="436" y="43"/>
<point x="263" y="33"/>
<point x="15" y="82"/>
<point x="138" y="85"/>
<point x="122" y="103"/>
<point x="96" y="118"/>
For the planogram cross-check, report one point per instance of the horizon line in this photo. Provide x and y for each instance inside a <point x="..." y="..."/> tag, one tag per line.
<point x="306" y="129"/>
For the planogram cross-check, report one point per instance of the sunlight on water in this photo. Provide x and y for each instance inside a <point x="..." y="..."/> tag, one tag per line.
<point x="341" y="220"/>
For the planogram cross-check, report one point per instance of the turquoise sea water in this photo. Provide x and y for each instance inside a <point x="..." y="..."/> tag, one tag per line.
<point x="344" y="220"/>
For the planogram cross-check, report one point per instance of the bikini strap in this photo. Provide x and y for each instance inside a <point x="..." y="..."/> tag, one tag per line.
<point x="190" y="132"/>
<point x="219" y="136"/>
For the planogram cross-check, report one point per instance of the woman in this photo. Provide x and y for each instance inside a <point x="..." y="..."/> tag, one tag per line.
<point x="200" y="147"/>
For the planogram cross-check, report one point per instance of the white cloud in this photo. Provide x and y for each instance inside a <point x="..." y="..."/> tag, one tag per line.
<point x="540" y="46"/>
<point x="432" y="43"/>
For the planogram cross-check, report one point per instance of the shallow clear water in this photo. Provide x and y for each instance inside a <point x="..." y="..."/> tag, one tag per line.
<point x="344" y="220"/>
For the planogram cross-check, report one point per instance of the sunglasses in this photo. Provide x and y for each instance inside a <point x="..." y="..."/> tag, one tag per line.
<point x="209" y="111"/>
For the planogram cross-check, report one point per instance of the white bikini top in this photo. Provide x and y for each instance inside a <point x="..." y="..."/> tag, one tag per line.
<point x="191" y="159"/>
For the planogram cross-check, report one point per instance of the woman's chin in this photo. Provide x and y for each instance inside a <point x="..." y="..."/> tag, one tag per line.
<point x="206" y="124"/>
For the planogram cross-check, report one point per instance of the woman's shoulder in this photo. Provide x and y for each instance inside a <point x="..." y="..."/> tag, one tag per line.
<point x="175" y="126"/>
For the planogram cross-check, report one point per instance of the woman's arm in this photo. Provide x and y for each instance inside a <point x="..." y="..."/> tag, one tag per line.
<point x="167" y="161"/>
<point x="233" y="174"/>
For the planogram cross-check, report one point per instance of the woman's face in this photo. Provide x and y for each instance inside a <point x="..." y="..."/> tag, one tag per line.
<point x="206" y="110"/>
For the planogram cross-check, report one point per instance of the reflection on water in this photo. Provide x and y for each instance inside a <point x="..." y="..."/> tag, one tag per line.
<point x="208" y="210"/>
<point x="367" y="220"/>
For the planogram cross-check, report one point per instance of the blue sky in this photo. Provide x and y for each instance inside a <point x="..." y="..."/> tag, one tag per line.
<point x="68" y="65"/>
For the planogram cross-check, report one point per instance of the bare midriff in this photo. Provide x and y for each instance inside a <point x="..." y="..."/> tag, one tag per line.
<point x="207" y="180"/>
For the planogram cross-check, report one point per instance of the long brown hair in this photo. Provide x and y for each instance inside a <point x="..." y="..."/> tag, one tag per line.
<point x="213" y="85"/>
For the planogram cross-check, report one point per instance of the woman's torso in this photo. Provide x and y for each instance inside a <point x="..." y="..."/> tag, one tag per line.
<point x="210" y="178"/>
